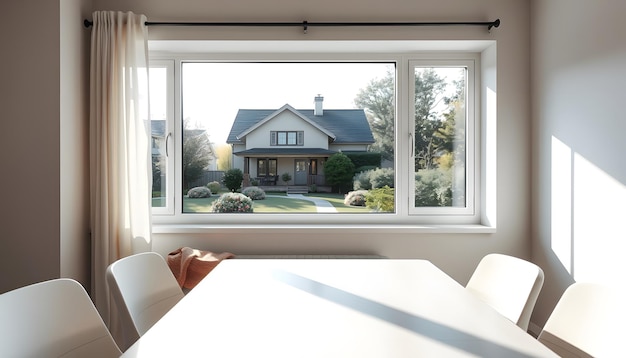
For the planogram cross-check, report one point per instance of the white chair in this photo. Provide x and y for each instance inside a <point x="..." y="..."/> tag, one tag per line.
<point x="588" y="321"/>
<point x="508" y="284"/>
<point x="52" y="319"/>
<point x="143" y="289"/>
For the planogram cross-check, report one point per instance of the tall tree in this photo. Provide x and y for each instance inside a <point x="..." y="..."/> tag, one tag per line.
<point x="429" y="91"/>
<point x="196" y="154"/>
<point x="377" y="99"/>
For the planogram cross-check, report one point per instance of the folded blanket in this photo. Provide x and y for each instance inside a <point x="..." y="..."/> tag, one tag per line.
<point x="190" y="266"/>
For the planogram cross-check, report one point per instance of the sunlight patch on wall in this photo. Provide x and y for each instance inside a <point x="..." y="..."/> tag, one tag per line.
<point x="599" y="224"/>
<point x="561" y="201"/>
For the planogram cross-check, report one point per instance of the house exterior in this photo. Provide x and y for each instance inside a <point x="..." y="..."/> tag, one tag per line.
<point x="268" y="143"/>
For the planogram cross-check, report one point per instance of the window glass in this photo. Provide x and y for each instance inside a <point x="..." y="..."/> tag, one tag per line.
<point x="161" y="76"/>
<point x="440" y="137"/>
<point x="344" y="109"/>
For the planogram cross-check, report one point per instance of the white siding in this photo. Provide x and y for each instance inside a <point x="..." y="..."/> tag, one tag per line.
<point x="287" y="121"/>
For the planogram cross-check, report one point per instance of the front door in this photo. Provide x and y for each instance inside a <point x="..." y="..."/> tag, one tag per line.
<point x="300" y="172"/>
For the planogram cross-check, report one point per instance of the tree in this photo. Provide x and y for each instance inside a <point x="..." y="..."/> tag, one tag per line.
<point x="377" y="99"/>
<point x="339" y="171"/>
<point x="196" y="154"/>
<point x="429" y="89"/>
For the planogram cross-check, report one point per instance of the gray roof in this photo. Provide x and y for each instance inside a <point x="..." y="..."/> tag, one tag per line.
<point x="348" y="125"/>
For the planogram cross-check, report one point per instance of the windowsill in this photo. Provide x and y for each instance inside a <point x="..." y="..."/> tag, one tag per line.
<point x="387" y="229"/>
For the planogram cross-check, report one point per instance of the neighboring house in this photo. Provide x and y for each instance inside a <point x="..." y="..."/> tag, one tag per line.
<point x="268" y="143"/>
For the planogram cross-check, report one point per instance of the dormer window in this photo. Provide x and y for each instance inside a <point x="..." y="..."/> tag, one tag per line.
<point x="286" y="138"/>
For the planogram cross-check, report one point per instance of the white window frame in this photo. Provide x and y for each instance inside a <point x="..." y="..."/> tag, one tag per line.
<point x="404" y="218"/>
<point x="170" y="157"/>
<point x="471" y="149"/>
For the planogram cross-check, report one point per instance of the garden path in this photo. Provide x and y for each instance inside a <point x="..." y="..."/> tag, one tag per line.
<point x="322" y="206"/>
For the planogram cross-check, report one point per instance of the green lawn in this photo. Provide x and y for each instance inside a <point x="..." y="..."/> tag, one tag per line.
<point x="277" y="203"/>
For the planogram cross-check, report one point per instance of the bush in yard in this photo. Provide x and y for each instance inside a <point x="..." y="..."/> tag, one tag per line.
<point x="214" y="187"/>
<point x="232" y="179"/>
<point x="199" y="192"/>
<point x="380" y="199"/>
<point x="433" y="187"/>
<point x="339" y="171"/>
<point x="232" y="203"/>
<point x="382" y="177"/>
<point x="355" y="198"/>
<point x="362" y="181"/>
<point x="254" y="193"/>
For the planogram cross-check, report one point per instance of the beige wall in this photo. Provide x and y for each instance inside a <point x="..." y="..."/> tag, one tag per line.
<point x="42" y="108"/>
<point x="578" y="141"/>
<point x="74" y="131"/>
<point x="457" y="254"/>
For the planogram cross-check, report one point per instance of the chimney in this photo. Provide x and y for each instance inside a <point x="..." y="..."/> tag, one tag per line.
<point x="319" y="106"/>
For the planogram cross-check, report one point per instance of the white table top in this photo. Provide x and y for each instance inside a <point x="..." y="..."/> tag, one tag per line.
<point x="333" y="308"/>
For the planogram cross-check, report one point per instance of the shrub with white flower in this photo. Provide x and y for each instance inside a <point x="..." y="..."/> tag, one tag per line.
<point x="199" y="192"/>
<point x="355" y="198"/>
<point x="254" y="193"/>
<point x="232" y="203"/>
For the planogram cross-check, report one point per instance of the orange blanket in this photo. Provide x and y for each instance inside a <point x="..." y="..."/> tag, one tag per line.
<point x="190" y="266"/>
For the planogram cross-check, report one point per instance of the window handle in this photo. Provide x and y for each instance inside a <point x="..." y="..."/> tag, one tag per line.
<point x="412" y="151"/>
<point x="167" y="142"/>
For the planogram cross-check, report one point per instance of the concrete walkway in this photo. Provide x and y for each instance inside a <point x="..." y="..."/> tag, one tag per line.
<point x="323" y="206"/>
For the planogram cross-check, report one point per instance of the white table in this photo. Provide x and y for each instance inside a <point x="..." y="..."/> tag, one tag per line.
<point x="333" y="308"/>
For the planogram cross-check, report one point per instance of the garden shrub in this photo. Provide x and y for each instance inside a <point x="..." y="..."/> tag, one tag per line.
<point x="382" y="177"/>
<point x="339" y="171"/>
<point x="254" y="193"/>
<point x="214" y="186"/>
<point x="362" y="181"/>
<point x="355" y="198"/>
<point x="199" y="192"/>
<point x="232" y="203"/>
<point x="433" y="187"/>
<point x="373" y="179"/>
<point x="232" y="179"/>
<point x="380" y="199"/>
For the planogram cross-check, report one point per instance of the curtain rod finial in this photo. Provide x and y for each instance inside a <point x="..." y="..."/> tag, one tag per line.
<point x="87" y="23"/>
<point x="493" y="24"/>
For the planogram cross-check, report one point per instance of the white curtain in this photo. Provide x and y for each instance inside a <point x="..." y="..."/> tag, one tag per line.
<point x="120" y="164"/>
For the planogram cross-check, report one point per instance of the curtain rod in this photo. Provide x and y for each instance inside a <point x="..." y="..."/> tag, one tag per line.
<point x="306" y="24"/>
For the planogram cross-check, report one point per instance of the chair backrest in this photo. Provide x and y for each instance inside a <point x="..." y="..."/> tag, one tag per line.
<point x="588" y="321"/>
<point x="143" y="289"/>
<point x="509" y="284"/>
<point x="52" y="319"/>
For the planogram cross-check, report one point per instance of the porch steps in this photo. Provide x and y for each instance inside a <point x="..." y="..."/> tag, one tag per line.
<point x="300" y="189"/>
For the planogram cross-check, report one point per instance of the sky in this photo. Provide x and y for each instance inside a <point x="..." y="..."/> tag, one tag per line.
<point x="214" y="92"/>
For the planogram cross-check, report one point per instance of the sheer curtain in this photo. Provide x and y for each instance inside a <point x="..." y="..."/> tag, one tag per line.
<point x="120" y="166"/>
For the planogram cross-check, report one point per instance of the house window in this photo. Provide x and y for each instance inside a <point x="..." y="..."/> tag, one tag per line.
<point x="416" y="113"/>
<point x="287" y="138"/>
<point x="266" y="167"/>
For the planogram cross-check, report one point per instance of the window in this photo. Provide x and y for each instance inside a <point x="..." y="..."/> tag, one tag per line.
<point x="287" y="138"/>
<point x="442" y="105"/>
<point x="162" y="126"/>
<point x="424" y="127"/>
<point x="266" y="167"/>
